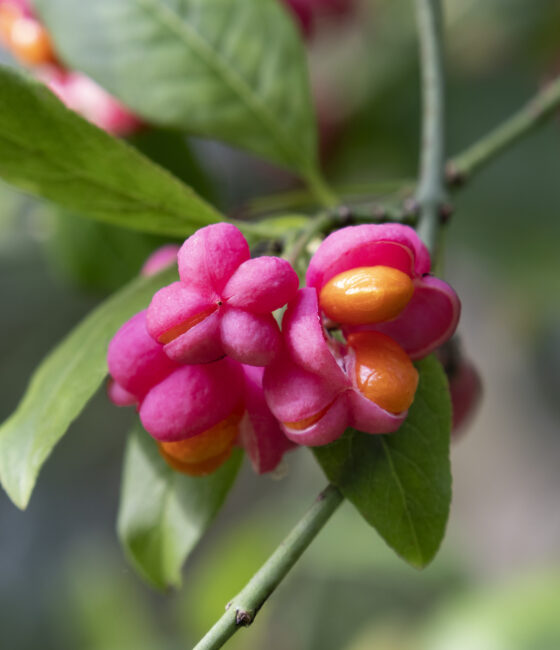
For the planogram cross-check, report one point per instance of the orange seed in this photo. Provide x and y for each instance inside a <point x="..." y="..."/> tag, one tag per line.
<point x="384" y="371"/>
<point x="202" y="468"/>
<point x="366" y="295"/>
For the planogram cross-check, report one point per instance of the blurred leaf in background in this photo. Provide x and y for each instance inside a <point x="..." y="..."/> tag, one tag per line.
<point x="248" y="88"/>
<point x="103" y="610"/>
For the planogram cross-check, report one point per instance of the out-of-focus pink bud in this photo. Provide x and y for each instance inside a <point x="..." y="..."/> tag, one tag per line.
<point x="224" y="301"/>
<point x="83" y="95"/>
<point x="160" y="259"/>
<point x="23" y="6"/>
<point x="307" y="10"/>
<point x="466" y="392"/>
<point x="465" y="385"/>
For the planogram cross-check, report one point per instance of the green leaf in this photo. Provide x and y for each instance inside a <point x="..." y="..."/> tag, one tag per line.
<point x="63" y="384"/>
<point x="163" y="513"/>
<point x="233" y="70"/>
<point x="401" y="482"/>
<point x="51" y="152"/>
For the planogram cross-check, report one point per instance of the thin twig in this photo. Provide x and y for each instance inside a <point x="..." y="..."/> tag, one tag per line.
<point x="536" y="111"/>
<point x="241" y="611"/>
<point x="430" y="194"/>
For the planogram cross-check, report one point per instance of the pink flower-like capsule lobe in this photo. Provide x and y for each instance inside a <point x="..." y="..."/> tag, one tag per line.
<point x="23" y="34"/>
<point x="224" y="301"/>
<point x="160" y="259"/>
<point x="136" y="362"/>
<point x="251" y="425"/>
<point x="82" y="95"/>
<point x="174" y="401"/>
<point x="374" y="277"/>
<point x="319" y="387"/>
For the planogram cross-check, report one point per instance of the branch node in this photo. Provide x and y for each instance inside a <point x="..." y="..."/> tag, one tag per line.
<point x="454" y="177"/>
<point x="411" y="207"/>
<point x="244" y="617"/>
<point x="445" y="212"/>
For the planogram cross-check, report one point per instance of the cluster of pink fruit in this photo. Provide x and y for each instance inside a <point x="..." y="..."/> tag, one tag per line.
<point x="28" y="40"/>
<point x="209" y="367"/>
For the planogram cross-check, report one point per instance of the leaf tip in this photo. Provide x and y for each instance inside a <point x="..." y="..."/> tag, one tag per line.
<point x="19" y="492"/>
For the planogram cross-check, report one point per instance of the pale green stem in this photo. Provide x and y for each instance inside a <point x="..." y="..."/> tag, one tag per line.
<point x="430" y="194"/>
<point x="242" y="609"/>
<point x="303" y="198"/>
<point x="536" y="111"/>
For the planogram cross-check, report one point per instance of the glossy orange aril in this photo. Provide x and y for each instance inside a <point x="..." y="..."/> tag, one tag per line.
<point x="366" y="295"/>
<point x="201" y="468"/>
<point x="384" y="371"/>
<point x="202" y="454"/>
<point x="211" y="442"/>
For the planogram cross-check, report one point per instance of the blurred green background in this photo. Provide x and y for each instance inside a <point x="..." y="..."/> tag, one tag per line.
<point x="64" y="583"/>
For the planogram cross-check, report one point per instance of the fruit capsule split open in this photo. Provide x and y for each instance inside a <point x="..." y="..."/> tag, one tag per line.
<point x="366" y="295"/>
<point x="176" y="331"/>
<point x="204" y="453"/>
<point x="384" y="372"/>
<point x="305" y="423"/>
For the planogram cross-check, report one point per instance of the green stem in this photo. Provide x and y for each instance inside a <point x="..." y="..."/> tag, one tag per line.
<point x="536" y="111"/>
<point x="241" y="611"/>
<point x="430" y="193"/>
<point x="304" y="199"/>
